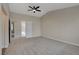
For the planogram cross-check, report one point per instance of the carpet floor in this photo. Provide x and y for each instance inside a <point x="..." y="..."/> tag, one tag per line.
<point x="40" y="46"/>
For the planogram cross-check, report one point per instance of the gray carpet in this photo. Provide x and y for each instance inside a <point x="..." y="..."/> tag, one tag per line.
<point x="40" y="46"/>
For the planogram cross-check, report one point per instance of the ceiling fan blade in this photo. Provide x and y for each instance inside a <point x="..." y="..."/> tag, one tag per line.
<point x="38" y="10"/>
<point x="30" y="7"/>
<point x="30" y="10"/>
<point x="33" y="7"/>
<point x="37" y="7"/>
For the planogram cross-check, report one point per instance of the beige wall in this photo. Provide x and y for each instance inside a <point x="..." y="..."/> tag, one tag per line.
<point x="4" y="13"/>
<point x="17" y="18"/>
<point x="62" y="25"/>
<point x="1" y="33"/>
<point x="4" y="17"/>
<point x="0" y="51"/>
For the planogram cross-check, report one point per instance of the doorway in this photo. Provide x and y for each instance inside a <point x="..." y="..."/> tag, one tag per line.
<point x="26" y="29"/>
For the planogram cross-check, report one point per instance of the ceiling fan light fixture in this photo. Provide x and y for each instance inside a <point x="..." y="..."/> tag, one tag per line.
<point x="34" y="9"/>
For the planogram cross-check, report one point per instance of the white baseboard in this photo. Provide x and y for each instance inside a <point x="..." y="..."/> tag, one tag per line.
<point x="36" y="35"/>
<point x="27" y="37"/>
<point x="61" y="40"/>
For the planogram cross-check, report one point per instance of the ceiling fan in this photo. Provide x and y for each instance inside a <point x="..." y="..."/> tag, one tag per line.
<point x="34" y="8"/>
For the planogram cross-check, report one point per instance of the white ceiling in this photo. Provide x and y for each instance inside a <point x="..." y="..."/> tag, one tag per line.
<point x="22" y="8"/>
